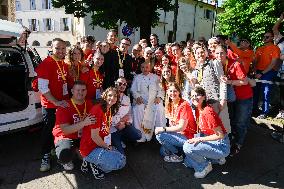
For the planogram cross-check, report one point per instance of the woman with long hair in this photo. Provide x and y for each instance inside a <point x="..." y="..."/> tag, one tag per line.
<point x="99" y="156"/>
<point x="182" y="125"/>
<point x="93" y="78"/>
<point x="76" y="66"/>
<point x="211" y="144"/>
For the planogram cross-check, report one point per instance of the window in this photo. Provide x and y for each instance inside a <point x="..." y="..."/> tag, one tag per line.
<point x="35" y="43"/>
<point x="49" y="43"/>
<point x="46" y="4"/>
<point x="4" y="10"/>
<point x="33" y="25"/>
<point x="208" y="14"/>
<point x="18" y="6"/>
<point x="48" y="24"/>
<point x="32" y="5"/>
<point x="65" y="24"/>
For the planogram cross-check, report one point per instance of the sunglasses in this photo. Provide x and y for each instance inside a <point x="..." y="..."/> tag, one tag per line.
<point x="122" y="84"/>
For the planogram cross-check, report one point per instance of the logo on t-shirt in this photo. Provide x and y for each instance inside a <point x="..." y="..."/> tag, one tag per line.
<point x="97" y="83"/>
<point x="76" y="118"/>
<point x="59" y="75"/>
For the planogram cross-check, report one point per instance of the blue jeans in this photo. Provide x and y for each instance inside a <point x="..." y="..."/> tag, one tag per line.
<point x="171" y="142"/>
<point x="265" y="90"/>
<point x="128" y="133"/>
<point x="198" y="156"/>
<point x="241" y="119"/>
<point x="106" y="160"/>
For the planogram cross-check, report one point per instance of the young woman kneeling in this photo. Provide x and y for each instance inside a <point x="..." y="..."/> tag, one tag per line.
<point x="182" y="125"/>
<point x="99" y="156"/>
<point x="212" y="145"/>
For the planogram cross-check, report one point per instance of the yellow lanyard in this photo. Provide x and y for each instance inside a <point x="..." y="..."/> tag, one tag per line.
<point x="61" y="71"/>
<point x="119" y="60"/>
<point x="200" y="74"/>
<point x="174" y="109"/>
<point x="226" y="67"/>
<point x="78" y="71"/>
<point x="97" y="76"/>
<point x="76" y="108"/>
<point x="108" y="120"/>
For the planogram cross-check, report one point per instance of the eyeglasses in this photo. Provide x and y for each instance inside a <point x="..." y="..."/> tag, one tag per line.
<point x="121" y="84"/>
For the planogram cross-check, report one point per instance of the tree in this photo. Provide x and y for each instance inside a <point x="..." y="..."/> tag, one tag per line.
<point x="107" y="13"/>
<point x="249" y="18"/>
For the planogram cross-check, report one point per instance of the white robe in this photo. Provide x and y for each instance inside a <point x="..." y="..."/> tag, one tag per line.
<point x="148" y="115"/>
<point x="123" y="110"/>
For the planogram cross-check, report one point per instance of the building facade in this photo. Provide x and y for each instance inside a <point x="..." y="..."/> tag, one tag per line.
<point x="44" y="22"/>
<point x="195" y="19"/>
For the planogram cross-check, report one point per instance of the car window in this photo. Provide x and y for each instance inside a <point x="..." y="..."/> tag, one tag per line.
<point x="10" y="57"/>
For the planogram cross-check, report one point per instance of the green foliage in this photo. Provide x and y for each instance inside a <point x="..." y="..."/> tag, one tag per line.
<point x="107" y="13"/>
<point x="249" y="18"/>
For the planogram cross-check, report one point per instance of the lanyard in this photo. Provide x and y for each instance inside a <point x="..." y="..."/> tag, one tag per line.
<point x="119" y="59"/>
<point x="226" y="67"/>
<point x="108" y="119"/>
<point x="61" y="71"/>
<point x="174" y="111"/>
<point x="97" y="76"/>
<point x="76" y="108"/>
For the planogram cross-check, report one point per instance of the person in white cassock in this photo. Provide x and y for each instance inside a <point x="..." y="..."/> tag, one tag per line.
<point x="148" y="110"/>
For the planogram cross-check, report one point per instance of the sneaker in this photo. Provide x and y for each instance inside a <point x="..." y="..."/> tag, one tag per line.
<point x="280" y="115"/>
<point x="68" y="166"/>
<point x="222" y="161"/>
<point x="262" y="116"/>
<point x="88" y="167"/>
<point x="123" y="144"/>
<point x="278" y="136"/>
<point x="45" y="163"/>
<point x="235" y="150"/>
<point x="204" y="172"/>
<point x="173" y="158"/>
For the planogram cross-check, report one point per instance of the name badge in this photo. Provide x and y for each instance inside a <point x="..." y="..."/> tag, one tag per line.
<point x="98" y="94"/>
<point x="107" y="139"/>
<point x="65" y="89"/>
<point x="121" y="73"/>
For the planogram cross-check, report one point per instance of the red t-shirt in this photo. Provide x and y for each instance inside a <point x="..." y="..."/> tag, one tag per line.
<point x="88" y="54"/>
<point x="208" y="120"/>
<point x="236" y="71"/>
<point x="94" y="81"/>
<point x="184" y="111"/>
<point x="87" y="145"/>
<point x="68" y="116"/>
<point x="48" y="69"/>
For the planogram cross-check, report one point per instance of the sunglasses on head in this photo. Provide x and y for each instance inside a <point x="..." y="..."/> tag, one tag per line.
<point x="120" y="84"/>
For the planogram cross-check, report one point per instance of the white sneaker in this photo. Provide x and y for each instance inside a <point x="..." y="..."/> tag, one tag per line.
<point x="173" y="158"/>
<point x="222" y="161"/>
<point x="205" y="171"/>
<point x="45" y="163"/>
<point x="280" y="115"/>
<point x="123" y="144"/>
<point x="68" y="166"/>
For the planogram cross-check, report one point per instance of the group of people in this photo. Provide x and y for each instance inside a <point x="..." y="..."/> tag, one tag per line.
<point x="194" y="98"/>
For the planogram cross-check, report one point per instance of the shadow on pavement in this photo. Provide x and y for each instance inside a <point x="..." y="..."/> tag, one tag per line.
<point x="259" y="165"/>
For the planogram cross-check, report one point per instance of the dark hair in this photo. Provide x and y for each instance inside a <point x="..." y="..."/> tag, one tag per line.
<point x="79" y="82"/>
<point x="176" y="44"/>
<point x="59" y="40"/>
<point x="154" y="35"/>
<point x="200" y="91"/>
<point x="90" y="39"/>
<point x="127" y="39"/>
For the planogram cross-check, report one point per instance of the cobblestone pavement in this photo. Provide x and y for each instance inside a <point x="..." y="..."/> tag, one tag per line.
<point x="259" y="165"/>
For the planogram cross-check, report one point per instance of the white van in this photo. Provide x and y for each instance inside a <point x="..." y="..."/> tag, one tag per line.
<point x="19" y="105"/>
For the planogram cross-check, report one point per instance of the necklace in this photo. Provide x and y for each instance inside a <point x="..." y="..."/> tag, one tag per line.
<point x="78" y="111"/>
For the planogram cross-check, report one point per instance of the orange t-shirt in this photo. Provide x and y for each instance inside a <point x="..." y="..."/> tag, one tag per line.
<point x="265" y="54"/>
<point x="245" y="56"/>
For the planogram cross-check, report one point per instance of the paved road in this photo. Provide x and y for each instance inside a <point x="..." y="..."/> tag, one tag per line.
<point x="259" y="165"/>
